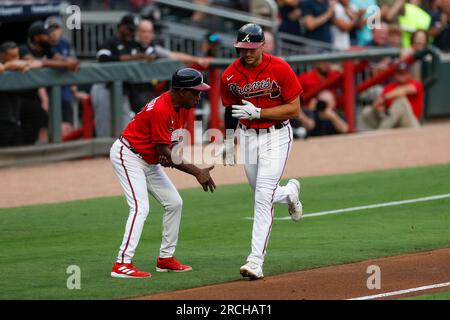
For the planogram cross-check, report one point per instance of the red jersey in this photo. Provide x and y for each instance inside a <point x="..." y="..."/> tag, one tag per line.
<point x="416" y="100"/>
<point x="154" y="124"/>
<point x="270" y="84"/>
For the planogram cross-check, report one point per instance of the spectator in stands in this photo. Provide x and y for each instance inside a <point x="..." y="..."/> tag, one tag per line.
<point x="320" y="72"/>
<point x="380" y="35"/>
<point x="317" y="18"/>
<point x="394" y="36"/>
<point x="210" y="45"/>
<point x="320" y="111"/>
<point x="347" y="17"/>
<point x="269" y="42"/>
<point x="399" y="105"/>
<point x="419" y="41"/>
<point x="145" y="37"/>
<point x="391" y="10"/>
<point x="68" y="93"/>
<point x="10" y="102"/>
<point x="290" y="13"/>
<point x="39" y="47"/>
<point x="440" y="27"/>
<point x="326" y="119"/>
<point x="369" y="11"/>
<point x="413" y="19"/>
<point x="215" y="23"/>
<point x="122" y="47"/>
<point x="432" y="7"/>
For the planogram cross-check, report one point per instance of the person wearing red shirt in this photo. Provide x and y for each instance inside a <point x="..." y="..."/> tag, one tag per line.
<point x="399" y="105"/>
<point x="262" y="92"/>
<point x="137" y="156"/>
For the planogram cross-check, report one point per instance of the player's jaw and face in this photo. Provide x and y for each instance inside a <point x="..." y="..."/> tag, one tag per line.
<point x="252" y="57"/>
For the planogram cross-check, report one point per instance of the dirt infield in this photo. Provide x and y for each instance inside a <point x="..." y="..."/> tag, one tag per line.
<point x="331" y="283"/>
<point x="74" y="180"/>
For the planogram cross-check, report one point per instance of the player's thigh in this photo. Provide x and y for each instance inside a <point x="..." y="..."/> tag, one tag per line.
<point x="249" y="156"/>
<point x="273" y="157"/>
<point x="161" y="187"/>
<point x="131" y="173"/>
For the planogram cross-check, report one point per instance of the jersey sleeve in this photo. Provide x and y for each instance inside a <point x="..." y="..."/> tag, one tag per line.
<point x="160" y="127"/>
<point x="228" y="98"/>
<point x="291" y="87"/>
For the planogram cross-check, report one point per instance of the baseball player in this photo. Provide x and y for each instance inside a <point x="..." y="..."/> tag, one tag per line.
<point x="137" y="156"/>
<point x="262" y="92"/>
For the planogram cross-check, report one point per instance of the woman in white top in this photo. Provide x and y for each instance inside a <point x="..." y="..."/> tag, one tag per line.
<point x="346" y="17"/>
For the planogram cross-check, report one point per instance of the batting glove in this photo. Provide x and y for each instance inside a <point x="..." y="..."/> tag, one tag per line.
<point x="246" y="111"/>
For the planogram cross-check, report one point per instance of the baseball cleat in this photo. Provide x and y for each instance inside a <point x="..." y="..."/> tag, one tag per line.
<point x="295" y="206"/>
<point x="127" y="270"/>
<point x="252" y="270"/>
<point x="170" y="265"/>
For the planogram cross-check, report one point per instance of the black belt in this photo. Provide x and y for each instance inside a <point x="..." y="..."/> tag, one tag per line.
<point x="127" y="144"/>
<point x="264" y="130"/>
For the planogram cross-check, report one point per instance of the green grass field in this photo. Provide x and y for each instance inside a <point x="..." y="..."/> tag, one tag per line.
<point x="40" y="242"/>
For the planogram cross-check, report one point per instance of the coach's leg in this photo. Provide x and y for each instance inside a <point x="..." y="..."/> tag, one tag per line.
<point x="160" y="186"/>
<point x="130" y="171"/>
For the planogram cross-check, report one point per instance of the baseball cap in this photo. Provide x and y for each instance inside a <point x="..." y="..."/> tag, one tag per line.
<point x="250" y="36"/>
<point x="188" y="78"/>
<point x="37" y="28"/>
<point x="53" y="22"/>
<point x="130" y="20"/>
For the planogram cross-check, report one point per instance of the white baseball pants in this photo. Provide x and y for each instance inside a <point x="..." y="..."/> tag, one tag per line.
<point x="138" y="179"/>
<point x="266" y="156"/>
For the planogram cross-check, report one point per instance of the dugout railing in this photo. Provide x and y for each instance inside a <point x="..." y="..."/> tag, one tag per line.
<point x="139" y="72"/>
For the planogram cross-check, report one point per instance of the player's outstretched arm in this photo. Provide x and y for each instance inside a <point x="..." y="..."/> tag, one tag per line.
<point x="202" y="175"/>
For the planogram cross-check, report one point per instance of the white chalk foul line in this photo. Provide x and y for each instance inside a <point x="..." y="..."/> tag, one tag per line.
<point x="397" y="293"/>
<point x="371" y="206"/>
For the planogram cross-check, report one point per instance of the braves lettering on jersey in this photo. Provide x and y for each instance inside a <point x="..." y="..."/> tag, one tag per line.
<point x="270" y="84"/>
<point x="157" y="123"/>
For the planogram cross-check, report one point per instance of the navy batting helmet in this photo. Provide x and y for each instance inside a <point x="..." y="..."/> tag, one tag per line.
<point x="188" y="78"/>
<point x="250" y="36"/>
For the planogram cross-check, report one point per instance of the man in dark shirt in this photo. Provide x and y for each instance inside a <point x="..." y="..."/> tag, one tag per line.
<point x="317" y="19"/>
<point x="121" y="47"/>
<point x="34" y="104"/>
<point x="440" y="27"/>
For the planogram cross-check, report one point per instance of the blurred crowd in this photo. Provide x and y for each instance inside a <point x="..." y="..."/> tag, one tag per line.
<point x="344" y="24"/>
<point x="369" y="23"/>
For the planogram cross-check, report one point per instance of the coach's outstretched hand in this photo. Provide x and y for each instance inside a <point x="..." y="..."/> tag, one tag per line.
<point x="204" y="178"/>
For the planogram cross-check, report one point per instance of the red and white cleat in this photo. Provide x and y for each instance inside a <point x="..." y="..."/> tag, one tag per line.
<point x="170" y="265"/>
<point x="127" y="270"/>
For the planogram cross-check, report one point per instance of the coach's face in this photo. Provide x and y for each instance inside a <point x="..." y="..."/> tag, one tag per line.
<point x="252" y="57"/>
<point x="189" y="98"/>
